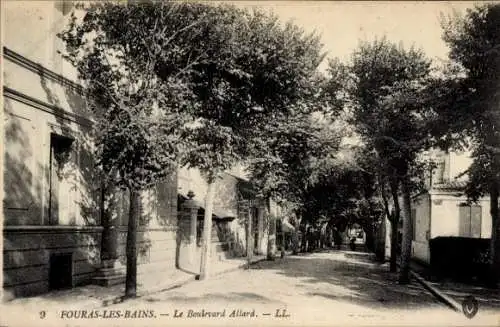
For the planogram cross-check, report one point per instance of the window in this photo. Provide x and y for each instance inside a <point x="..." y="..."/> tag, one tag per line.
<point x="60" y="156"/>
<point x="438" y="175"/>
<point x="470" y="221"/>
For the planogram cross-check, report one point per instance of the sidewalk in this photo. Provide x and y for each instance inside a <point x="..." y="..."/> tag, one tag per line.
<point x="94" y="296"/>
<point x="488" y="299"/>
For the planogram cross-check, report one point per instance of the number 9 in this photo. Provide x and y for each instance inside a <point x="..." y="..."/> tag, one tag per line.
<point x="42" y="314"/>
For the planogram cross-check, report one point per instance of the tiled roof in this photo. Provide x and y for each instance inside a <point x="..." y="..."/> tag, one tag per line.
<point x="451" y="185"/>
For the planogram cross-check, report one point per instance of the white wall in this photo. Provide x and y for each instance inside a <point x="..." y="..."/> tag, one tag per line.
<point x="420" y="245"/>
<point x="459" y="162"/>
<point x="445" y="216"/>
<point x="31" y="28"/>
<point x="27" y="147"/>
<point x="485" y="218"/>
<point x="422" y="224"/>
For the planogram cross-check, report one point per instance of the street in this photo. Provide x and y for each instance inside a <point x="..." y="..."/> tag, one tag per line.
<point x="326" y="288"/>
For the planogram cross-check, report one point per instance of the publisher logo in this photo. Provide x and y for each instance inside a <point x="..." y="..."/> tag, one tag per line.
<point x="470" y="306"/>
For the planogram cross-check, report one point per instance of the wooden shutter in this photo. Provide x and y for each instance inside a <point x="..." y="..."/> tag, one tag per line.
<point x="464" y="229"/>
<point x="476" y="221"/>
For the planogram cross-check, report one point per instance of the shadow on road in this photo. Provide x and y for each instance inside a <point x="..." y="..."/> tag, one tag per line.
<point x="352" y="277"/>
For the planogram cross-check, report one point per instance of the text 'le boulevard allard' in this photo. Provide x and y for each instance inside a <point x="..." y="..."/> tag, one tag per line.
<point x="232" y="313"/>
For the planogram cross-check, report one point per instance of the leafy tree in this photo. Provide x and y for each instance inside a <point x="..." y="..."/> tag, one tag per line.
<point x="137" y="114"/>
<point x="287" y="163"/>
<point x="210" y="77"/>
<point x="251" y="69"/>
<point x="468" y="98"/>
<point x="347" y="192"/>
<point x="384" y="91"/>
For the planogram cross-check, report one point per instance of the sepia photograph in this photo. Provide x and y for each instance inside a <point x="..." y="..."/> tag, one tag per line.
<point x="250" y="163"/>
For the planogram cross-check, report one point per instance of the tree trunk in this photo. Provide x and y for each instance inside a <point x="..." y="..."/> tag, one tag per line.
<point x="393" y="261"/>
<point x="370" y="238"/>
<point x="404" y="273"/>
<point x="249" y="237"/>
<point x="383" y="230"/>
<point x="207" y="231"/>
<point x="495" y="237"/>
<point x="380" y="237"/>
<point x="133" y="218"/>
<point x="271" y="240"/>
<point x="394" y="220"/>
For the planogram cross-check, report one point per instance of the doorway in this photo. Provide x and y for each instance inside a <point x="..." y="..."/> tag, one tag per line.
<point x="61" y="271"/>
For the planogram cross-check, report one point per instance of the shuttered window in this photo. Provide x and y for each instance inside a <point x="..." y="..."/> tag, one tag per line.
<point x="470" y="221"/>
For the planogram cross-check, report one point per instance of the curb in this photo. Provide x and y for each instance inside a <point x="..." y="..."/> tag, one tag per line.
<point x="454" y="305"/>
<point x="121" y="298"/>
<point x="448" y="301"/>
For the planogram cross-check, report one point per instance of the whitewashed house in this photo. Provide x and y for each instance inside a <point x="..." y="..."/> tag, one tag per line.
<point x="442" y="210"/>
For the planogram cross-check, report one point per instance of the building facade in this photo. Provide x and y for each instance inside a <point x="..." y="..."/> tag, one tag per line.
<point x="61" y="226"/>
<point x="239" y="217"/>
<point x="51" y="225"/>
<point x="443" y="209"/>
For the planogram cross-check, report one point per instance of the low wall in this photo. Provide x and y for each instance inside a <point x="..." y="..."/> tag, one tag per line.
<point x="156" y="249"/>
<point x="27" y="251"/>
<point x="462" y="258"/>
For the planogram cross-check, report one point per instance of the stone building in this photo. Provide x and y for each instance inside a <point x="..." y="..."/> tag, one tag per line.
<point x="235" y="204"/>
<point x="51" y="224"/>
<point x="59" y="230"/>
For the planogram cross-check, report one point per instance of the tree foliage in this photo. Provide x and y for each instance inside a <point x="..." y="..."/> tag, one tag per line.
<point x="187" y="81"/>
<point x="470" y="96"/>
<point x="290" y="159"/>
<point x="138" y="114"/>
<point x="471" y="91"/>
<point x="385" y="90"/>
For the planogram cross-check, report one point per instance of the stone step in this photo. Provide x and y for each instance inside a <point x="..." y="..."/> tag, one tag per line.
<point x="109" y="280"/>
<point x="105" y="272"/>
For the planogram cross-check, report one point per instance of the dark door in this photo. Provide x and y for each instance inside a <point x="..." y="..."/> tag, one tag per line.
<point x="60" y="271"/>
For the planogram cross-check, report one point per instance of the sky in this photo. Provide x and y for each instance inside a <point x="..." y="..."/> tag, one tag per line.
<point x="343" y="23"/>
